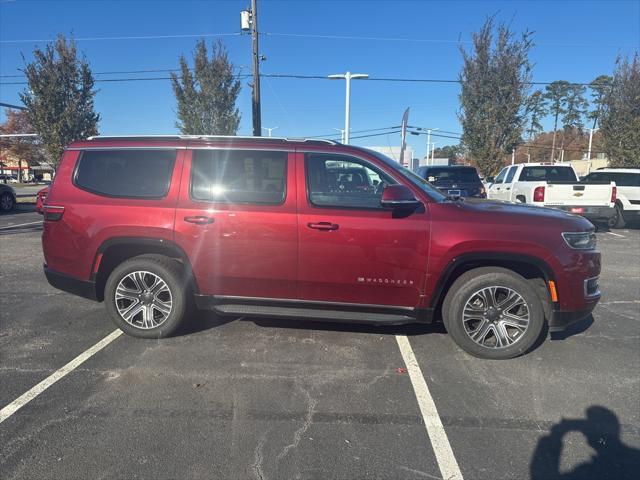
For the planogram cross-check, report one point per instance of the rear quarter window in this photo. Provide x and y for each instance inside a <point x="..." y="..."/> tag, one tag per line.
<point x="125" y="173"/>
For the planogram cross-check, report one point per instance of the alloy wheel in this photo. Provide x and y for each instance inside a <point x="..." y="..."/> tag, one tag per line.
<point x="143" y="300"/>
<point x="6" y="202"/>
<point x="495" y="317"/>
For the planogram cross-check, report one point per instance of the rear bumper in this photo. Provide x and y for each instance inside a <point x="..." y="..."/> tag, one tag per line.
<point x="591" y="213"/>
<point x="66" y="283"/>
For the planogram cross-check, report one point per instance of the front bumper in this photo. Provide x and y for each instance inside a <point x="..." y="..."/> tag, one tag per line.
<point x="591" y="213"/>
<point x="67" y="283"/>
<point x="560" y="320"/>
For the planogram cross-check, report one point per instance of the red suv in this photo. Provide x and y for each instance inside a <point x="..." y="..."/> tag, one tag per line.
<point x="308" y="229"/>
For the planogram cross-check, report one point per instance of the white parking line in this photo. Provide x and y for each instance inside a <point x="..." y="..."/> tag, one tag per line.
<point x="435" y="430"/>
<point x="25" y="398"/>
<point x="19" y="225"/>
<point x="616" y="234"/>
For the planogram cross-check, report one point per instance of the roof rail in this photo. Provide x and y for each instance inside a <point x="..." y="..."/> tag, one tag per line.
<point x="211" y="137"/>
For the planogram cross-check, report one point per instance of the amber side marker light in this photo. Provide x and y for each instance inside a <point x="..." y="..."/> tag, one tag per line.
<point x="552" y="290"/>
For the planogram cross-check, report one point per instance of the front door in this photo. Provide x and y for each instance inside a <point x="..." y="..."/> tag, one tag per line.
<point x="352" y="250"/>
<point x="236" y="219"/>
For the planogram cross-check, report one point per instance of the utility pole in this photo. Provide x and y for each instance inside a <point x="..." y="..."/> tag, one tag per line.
<point x="269" y="129"/>
<point x="249" y="21"/>
<point x="428" y="145"/>
<point x="347" y="76"/>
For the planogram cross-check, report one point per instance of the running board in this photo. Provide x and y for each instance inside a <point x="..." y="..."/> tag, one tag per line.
<point x="303" y="310"/>
<point x="312" y="314"/>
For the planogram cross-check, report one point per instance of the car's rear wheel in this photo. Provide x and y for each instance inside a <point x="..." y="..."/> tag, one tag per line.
<point x="493" y="313"/>
<point x="617" y="221"/>
<point x="146" y="296"/>
<point x="7" y="202"/>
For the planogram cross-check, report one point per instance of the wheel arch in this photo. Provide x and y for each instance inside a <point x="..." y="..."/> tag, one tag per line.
<point x="114" y="251"/>
<point x="529" y="267"/>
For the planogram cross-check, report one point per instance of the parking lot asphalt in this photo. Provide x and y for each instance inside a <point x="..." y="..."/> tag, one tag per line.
<point x="268" y="399"/>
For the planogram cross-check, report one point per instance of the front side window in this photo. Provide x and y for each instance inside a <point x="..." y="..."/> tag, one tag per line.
<point x="239" y="176"/>
<point x="344" y="182"/>
<point x="126" y="173"/>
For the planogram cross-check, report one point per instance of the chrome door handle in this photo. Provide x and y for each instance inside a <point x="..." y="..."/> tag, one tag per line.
<point x="323" y="226"/>
<point x="199" y="220"/>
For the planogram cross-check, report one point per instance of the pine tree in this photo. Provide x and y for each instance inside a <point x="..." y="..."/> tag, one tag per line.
<point x="555" y="94"/>
<point x="207" y="95"/>
<point x="59" y="97"/>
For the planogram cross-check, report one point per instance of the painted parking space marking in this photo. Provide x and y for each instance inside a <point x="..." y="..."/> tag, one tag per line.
<point x="25" y="398"/>
<point x="447" y="463"/>
<point x="19" y="225"/>
<point x="616" y="234"/>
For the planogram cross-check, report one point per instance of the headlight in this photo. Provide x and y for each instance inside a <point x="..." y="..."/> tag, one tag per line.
<point x="580" y="240"/>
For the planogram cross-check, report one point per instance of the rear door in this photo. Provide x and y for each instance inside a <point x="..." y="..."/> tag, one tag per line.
<point x="236" y="219"/>
<point x="351" y="250"/>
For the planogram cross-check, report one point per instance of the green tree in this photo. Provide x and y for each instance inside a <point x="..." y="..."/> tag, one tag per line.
<point x="452" y="152"/>
<point x="600" y="88"/>
<point x="537" y="109"/>
<point x="494" y="80"/>
<point x="59" y="97"/>
<point x="620" y="116"/>
<point x="207" y="95"/>
<point x="555" y="94"/>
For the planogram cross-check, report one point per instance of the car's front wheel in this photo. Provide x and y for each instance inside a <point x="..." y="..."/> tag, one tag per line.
<point x="493" y="313"/>
<point x="146" y="296"/>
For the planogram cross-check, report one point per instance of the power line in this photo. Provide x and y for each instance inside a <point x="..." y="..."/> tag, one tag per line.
<point x="137" y="37"/>
<point x="292" y="76"/>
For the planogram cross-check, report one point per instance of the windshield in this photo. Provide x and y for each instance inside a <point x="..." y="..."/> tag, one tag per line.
<point x="415" y="179"/>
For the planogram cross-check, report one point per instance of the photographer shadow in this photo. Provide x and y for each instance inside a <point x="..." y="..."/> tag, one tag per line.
<point x="601" y="428"/>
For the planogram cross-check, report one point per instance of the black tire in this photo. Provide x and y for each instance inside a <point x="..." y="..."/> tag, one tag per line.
<point x="466" y="288"/>
<point x="617" y="221"/>
<point x="521" y="199"/>
<point x="171" y="273"/>
<point x="7" y="202"/>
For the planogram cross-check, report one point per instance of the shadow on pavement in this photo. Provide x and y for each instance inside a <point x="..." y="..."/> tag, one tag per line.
<point x="19" y="209"/>
<point x="601" y="429"/>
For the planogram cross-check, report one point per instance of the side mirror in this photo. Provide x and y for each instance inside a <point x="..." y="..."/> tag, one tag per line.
<point x="399" y="197"/>
<point x="490" y="179"/>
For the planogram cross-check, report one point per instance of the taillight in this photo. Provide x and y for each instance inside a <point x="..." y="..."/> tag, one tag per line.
<point x="614" y="194"/>
<point x="53" y="213"/>
<point x="538" y="194"/>
<point x="483" y="192"/>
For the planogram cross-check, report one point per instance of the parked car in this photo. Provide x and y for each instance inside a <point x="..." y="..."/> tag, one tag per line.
<point x="627" y="180"/>
<point x="7" y="198"/>
<point x="40" y="198"/>
<point x="557" y="186"/>
<point x="455" y="180"/>
<point x="267" y="227"/>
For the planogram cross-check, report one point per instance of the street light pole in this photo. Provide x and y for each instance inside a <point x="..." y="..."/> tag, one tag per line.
<point x="270" y="129"/>
<point x="341" y="130"/>
<point x="347" y="77"/>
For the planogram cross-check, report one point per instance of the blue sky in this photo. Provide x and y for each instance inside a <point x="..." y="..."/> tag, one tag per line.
<point x="576" y="41"/>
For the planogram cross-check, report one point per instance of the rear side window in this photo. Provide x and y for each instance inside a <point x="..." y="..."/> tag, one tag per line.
<point x="239" y="176"/>
<point x="511" y="174"/>
<point x="547" y="174"/>
<point x="126" y="173"/>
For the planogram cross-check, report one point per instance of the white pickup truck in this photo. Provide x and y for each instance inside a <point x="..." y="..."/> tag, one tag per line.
<point x="557" y="186"/>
